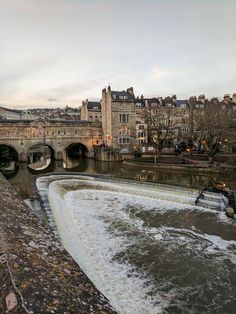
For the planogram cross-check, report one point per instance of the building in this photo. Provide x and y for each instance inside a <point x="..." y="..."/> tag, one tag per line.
<point x="91" y="111"/>
<point x="141" y="123"/>
<point x="119" y="119"/>
<point x="12" y="114"/>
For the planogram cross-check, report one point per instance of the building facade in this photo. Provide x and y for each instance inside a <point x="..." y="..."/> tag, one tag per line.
<point x="119" y="119"/>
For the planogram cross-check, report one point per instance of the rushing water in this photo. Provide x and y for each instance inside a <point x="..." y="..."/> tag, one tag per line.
<point x="146" y="246"/>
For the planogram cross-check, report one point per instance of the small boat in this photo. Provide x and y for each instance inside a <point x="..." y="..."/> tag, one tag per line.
<point x="219" y="197"/>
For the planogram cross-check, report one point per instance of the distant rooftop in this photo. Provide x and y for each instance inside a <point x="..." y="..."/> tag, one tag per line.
<point x="123" y="95"/>
<point x="94" y="105"/>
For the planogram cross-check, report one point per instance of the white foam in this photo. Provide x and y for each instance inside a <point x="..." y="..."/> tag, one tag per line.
<point x="84" y="209"/>
<point x="84" y="234"/>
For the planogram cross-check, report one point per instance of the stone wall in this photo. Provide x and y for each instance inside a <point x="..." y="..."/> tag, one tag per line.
<point x="36" y="274"/>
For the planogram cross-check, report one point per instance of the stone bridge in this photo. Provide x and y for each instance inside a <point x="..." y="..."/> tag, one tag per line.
<point x="57" y="135"/>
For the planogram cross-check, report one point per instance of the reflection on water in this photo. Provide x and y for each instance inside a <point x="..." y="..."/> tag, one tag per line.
<point x="39" y="165"/>
<point x="22" y="180"/>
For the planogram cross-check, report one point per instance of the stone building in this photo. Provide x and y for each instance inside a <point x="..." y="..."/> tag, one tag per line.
<point x="167" y="120"/>
<point x="91" y="111"/>
<point x="119" y="119"/>
<point x="12" y="114"/>
<point x="141" y="123"/>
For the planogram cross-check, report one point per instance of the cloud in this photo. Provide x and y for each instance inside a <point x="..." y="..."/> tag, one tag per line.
<point x="158" y="73"/>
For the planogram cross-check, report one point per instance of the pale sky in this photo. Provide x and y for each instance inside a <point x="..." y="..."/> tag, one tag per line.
<point x="60" y="52"/>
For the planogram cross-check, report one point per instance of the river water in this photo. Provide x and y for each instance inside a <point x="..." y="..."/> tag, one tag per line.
<point x="145" y="245"/>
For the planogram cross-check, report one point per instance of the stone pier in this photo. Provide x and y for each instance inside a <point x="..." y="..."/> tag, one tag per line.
<point x="37" y="275"/>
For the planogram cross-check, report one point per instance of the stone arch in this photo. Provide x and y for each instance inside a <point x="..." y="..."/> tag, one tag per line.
<point x="79" y="147"/>
<point x="87" y="143"/>
<point x="73" y="153"/>
<point x="17" y="149"/>
<point x="53" y="150"/>
<point x="39" y="155"/>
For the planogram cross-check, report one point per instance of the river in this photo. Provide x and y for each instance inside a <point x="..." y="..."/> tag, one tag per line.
<point x="143" y="242"/>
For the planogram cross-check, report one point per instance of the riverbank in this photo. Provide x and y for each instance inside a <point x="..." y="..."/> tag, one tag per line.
<point x="187" y="165"/>
<point x="37" y="275"/>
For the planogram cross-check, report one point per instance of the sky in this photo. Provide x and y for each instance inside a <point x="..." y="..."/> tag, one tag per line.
<point x="60" y="52"/>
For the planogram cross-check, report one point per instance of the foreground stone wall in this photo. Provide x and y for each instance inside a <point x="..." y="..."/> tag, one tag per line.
<point x="36" y="274"/>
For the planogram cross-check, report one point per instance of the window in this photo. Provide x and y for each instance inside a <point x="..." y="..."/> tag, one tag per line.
<point x="123" y="140"/>
<point x="124" y="117"/>
<point x="185" y="130"/>
<point x="141" y="134"/>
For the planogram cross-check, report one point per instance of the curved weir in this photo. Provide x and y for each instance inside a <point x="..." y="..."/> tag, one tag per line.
<point x="146" y="247"/>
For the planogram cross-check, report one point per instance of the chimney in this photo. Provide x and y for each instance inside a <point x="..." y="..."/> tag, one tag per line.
<point x="202" y="98"/>
<point x="193" y="98"/>
<point x="130" y="90"/>
<point x="226" y="98"/>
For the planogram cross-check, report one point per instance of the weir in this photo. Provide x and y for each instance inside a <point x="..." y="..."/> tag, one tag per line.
<point x="146" y="246"/>
<point x="37" y="274"/>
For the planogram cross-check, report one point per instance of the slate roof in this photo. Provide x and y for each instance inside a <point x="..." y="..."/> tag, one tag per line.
<point x="198" y="104"/>
<point x="140" y="101"/>
<point x="115" y="95"/>
<point x="11" y="110"/>
<point x="94" y="105"/>
<point x="180" y="102"/>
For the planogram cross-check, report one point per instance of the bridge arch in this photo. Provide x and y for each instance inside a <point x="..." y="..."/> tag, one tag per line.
<point x="10" y="145"/>
<point x="76" y="149"/>
<point x="39" y="155"/>
<point x="40" y="143"/>
<point x="73" y="153"/>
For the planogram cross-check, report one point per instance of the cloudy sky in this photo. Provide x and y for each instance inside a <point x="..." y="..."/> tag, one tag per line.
<point x="64" y="51"/>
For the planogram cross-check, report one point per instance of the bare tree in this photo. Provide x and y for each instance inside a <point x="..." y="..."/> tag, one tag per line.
<point x="210" y="126"/>
<point x="159" y="128"/>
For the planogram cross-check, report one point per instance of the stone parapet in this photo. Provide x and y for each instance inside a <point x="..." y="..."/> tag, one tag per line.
<point x="37" y="275"/>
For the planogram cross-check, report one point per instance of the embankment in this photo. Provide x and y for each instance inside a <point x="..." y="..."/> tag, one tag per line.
<point x="36" y="274"/>
<point x="194" y="167"/>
